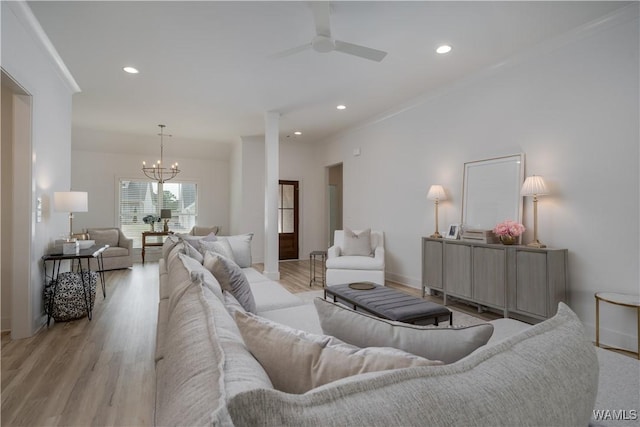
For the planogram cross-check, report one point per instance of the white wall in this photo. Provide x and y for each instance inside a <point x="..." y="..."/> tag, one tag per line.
<point x="572" y="107"/>
<point x="99" y="172"/>
<point x="31" y="61"/>
<point x="298" y="162"/>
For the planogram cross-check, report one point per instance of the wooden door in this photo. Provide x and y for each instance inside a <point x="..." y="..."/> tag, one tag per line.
<point x="288" y="219"/>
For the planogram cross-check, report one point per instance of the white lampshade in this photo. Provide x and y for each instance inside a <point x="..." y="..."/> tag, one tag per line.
<point x="70" y="201"/>
<point x="534" y="186"/>
<point x="436" y="192"/>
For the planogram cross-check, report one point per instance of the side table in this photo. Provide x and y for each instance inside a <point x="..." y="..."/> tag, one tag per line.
<point x="57" y="258"/>
<point x="313" y="255"/>
<point x="146" y="234"/>
<point x="625" y="300"/>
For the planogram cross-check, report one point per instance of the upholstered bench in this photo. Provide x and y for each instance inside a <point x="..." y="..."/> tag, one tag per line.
<point x="388" y="303"/>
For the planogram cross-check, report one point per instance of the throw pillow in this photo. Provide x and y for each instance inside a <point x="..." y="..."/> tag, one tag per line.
<point x="105" y="237"/>
<point x="363" y="330"/>
<point x="241" y="248"/>
<point x="203" y="231"/>
<point x="169" y="243"/>
<point x="357" y="244"/>
<point x="220" y="247"/>
<point x="313" y="360"/>
<point x="188" y="237"/>
<point x="193" y="252"/>
<point x="198" y="272"/>
<point x="231" y="278"/>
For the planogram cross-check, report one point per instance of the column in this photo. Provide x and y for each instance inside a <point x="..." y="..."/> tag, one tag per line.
<point x="271" y="172"/>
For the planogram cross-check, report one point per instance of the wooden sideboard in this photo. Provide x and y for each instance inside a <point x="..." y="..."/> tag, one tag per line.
<point x="519" y="281"/>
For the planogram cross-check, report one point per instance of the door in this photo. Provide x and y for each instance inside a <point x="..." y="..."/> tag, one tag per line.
<point x="288" y="219"/>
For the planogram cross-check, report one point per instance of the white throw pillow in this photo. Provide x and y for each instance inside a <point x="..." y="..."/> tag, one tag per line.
<point x="221" y="247"/>
<point x="199" y="272"/>
<point x="193" y="252"/>
<point x="297" y="361"/>
<point x="363" y="330"/>
<point x="357" y="244"/>
<point x="231" y="278"/>
<point x="241" y="248"/>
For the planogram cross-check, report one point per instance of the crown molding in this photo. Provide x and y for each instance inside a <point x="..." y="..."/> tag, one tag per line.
<point x="30" y="23"/>
<point x="617" y="17"/>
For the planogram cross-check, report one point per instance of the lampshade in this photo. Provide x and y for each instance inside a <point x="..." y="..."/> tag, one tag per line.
<point x="436" y="192"/>
<point x="534" y="186"/>
<point x="165" y="213"/>
<point x="70" y="201"/>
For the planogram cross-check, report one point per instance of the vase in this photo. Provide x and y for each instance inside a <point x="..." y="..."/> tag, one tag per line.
<point x="152" y="227"/>
<point x="508" y="240"/>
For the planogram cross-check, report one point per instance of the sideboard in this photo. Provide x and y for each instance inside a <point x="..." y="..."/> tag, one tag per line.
<point x="516" y="280"/>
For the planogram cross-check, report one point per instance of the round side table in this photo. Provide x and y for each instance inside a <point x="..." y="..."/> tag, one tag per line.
<point x="625" y="300"/>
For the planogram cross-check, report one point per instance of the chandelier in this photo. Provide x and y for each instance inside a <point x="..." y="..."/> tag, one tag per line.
<point x="158" y="172"/>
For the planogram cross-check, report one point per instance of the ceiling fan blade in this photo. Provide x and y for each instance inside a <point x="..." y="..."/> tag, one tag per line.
<point x="361" y="51"/>
<point x="321" y="14"/>
<point x="291" y="51"/>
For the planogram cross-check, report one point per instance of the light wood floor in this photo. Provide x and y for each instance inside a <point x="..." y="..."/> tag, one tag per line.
<point x="101" y="372"/>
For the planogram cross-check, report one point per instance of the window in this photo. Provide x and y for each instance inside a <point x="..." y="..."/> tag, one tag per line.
<point x="286" y="207"/>
<point x="138" y="199"/>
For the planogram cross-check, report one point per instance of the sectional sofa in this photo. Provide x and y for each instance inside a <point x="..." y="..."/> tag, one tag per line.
<point x="210" y="371"/>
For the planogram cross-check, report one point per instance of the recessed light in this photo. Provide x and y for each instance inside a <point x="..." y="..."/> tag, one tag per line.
<point x="341" y="107"/>
<point x="445" y="48"/>
<point x="297" y="133"/>
<point x="131" y="70"/>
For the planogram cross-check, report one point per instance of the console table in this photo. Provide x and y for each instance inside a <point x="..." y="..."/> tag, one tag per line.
<point x="528" y="282"/>
<point x="146" y="234"/>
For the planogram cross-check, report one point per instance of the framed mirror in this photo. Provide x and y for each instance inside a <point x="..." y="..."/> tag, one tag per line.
<point x="491" y="191"/>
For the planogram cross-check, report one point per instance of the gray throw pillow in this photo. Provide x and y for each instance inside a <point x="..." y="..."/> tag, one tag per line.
<point x="363" y="330"/>
<point x="231" y="279"/>
<point x="357" y="244"/>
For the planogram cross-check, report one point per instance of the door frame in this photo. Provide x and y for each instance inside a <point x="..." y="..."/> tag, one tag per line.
<point x="296" y="217"/>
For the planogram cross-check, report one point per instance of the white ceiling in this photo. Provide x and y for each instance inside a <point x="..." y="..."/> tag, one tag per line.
<point x="206" y="74"/>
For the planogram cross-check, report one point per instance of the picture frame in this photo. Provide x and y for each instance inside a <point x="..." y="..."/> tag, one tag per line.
<point x="453" y="232"/>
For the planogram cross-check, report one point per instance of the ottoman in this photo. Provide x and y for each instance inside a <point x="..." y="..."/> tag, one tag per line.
<point x="388" y="303"/>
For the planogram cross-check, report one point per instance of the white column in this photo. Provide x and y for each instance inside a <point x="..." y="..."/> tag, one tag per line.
<point x="271" y="176"/>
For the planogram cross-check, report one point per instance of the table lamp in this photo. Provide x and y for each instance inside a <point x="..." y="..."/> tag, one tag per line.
<point x="70" y="201"/>
<point x="166" y="215"/>
<point x="534" y="186"/>
<point x="436" y="193"/>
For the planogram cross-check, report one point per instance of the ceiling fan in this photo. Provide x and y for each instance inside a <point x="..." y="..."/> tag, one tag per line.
<point x="323" y="42"/>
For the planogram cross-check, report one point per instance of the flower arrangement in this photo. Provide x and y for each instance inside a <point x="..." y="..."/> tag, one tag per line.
<point x="150" y="219"/>
<point x="509" y="228"/>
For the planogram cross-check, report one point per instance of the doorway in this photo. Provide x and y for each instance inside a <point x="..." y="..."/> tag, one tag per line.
<point x="334" y="200"/>
<point x="288" y="219"/>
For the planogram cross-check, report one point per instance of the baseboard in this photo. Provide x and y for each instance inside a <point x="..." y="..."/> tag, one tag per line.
<point x="612" y="338"/>
<point x="5" y="324"/>
<point x="403" y="280"/>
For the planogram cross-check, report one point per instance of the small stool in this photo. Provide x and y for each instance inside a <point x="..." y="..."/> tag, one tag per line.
<point x="312" y="267"/>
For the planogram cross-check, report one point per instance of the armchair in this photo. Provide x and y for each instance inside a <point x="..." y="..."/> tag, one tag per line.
<point x="343" y="269"/>
<point x="120" y="252"/>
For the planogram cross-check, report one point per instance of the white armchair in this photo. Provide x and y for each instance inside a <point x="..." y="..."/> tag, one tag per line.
<point x="343" y="269"/>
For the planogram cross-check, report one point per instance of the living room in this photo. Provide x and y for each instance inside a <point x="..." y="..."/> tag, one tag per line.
<point x="569" y="102"/>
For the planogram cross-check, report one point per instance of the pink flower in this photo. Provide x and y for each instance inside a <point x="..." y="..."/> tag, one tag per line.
<point x="509" y="228"/>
